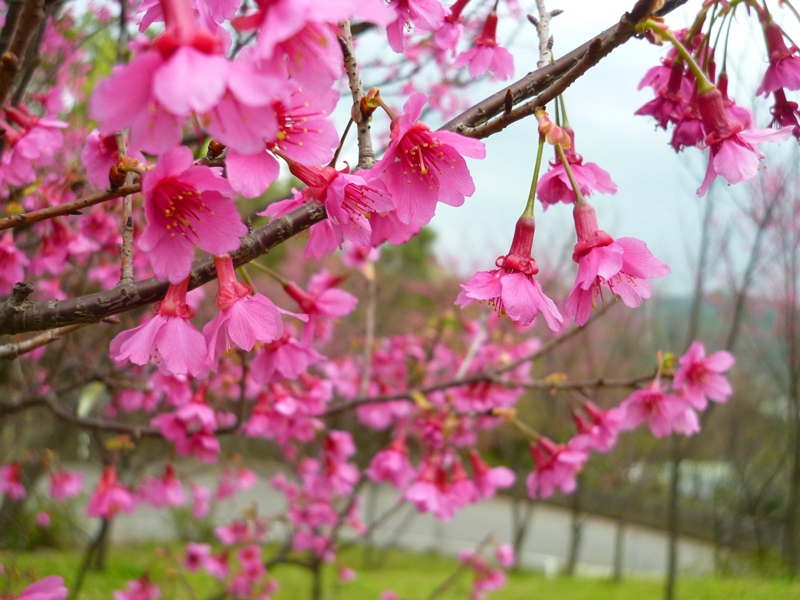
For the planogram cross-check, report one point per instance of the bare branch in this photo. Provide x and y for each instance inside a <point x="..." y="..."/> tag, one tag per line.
<point x="30" y="16"/>
<point x="366" y="155"/>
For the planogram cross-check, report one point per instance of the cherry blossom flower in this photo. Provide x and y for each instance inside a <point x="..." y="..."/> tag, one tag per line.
<point x="511" y="289"/>
<point x="168" y="339"/>
<point x="322" y="302"/>
<point x="164" y="491"/>
<point x="191" y="428"/>
<point x="488" y="479"/>
<point x="785" y="113"/>
<point x="505" y="555"/>
<point x="670" y="101"/>
<point x="446" y="37"/>
<point x="100" y="154"/>
<point x="486" y="54"/>
<point x="11" y="481"/>
<point x="33" y="144"/>
<point x="556" y="467"/>
<point x="425" y="167"/>
<point x="65" y="484"/>
<point x="242" y="319"/>
<point x="49" y="588"/>
<point x="425" y="15"/>
<point x="665" y="413"/>
<point x="201" y="501"/>
<point x="139" y="589"/>
<point x="12" y="263"/>
<point x="784" y="64"/>
<point x="285" y="357"/>
<point x="622" y="266"/>
<point x="555" y="186"/>
<point x="392" y="464"/>
<point x="168" y="88"/>
<point x="733" y="151"/>
<point x="600" y="432"/>
<point x="700" y="376"/>
<point x="186" y="206"/>
<point x="110" y="497"/>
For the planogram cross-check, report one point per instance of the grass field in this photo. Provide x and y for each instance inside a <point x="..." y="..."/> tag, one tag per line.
<point x="412" y="576"/>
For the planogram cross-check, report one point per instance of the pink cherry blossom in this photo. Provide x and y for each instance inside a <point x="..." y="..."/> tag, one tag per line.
<point x="242" y="319"/>
<point x="556" y="467"/>
<point x="665" y="413"/>
<point x="109" y="497"/>
<point x="139" y="589"/>
<point x="489" y="479"/>
<point x="511" y="289"/>
<point x="191" y="428"/>
<point x="486" y="54"/>
<point x="555" y="186"/>
<point x="392" y="464"/>
<point x="49" y="588"/>
<point x="186" y="206"/>
<point x="168" y="339"/>
<point x="425" y="15"/>
<point x="784" y="64"/>
<point x="11" y="481"/>
<point x="322" y="302"/>
<point x="622" y="266"/>
<point x="700" y="376"/>
<point x="505" y="555"/>
<point x="12" y="263"/>
<point x="600" y="432"/>
<point x="424" y="167"/>
<point x="164" y="491"/>
<point x="65" y="484"/>
<point x="733" y="150"/>
<point x="285" y="357"/>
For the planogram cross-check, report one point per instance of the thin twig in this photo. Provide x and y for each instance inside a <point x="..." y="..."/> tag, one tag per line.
<point x="366" y="155"/>
<point x="14" y="350"/>
<point x="68" y="208"/>
<point x="126" y="248"/>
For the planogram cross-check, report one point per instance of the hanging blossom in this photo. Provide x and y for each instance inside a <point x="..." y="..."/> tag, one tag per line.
<point x="732" y="148"/>
<point x="187" y="205"/>
<point x="555" y="466"/>
<point x="784" y="64"/>
<point x="425" y="15"/>
<point x="110" y="497"/>
<point x="11" y="481"/>
<point x="12" y="263"/>
<point x="622" y="266"/>
<point x="486" y="54"/>
<point x="511" y="288"/>
<point x="169" y="91"/>
<point x="323" y="302"/>
<point x="168" y="339"/>
<point x="242" y="318"/>
<point x="424" y="167"/>
<point x="555" y="186"/>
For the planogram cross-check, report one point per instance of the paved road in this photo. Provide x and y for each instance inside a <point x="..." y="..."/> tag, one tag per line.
<point x="546" y="545"/>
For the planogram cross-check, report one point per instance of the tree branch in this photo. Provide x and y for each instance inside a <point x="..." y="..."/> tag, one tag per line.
<point x="30" y="16"/>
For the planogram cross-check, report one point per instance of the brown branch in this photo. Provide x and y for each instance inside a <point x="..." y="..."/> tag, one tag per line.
<point x="30" y="16"/>
<point x="366" y="155"/>
<point x="126" y="248"/>
<point x="538" y="81"/>
<point x="18" y="314"/>
<point x="14" y="350"/>
<point x="68" y="208"/>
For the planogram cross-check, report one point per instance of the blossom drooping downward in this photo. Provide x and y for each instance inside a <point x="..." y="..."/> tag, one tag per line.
<point x="511" y="288"/>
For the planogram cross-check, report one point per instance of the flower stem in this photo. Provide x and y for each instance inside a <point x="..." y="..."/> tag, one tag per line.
<point x="269" y="272"/>
<point x="528" y="212"/>
<point x="573" y="182"/>
<point x="703" y="83"/>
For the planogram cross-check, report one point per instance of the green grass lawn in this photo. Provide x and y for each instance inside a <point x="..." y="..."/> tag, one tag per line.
<point x="412" y="576"/>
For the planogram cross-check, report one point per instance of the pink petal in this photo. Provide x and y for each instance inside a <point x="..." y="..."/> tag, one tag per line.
<point x="179" y="87"/>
